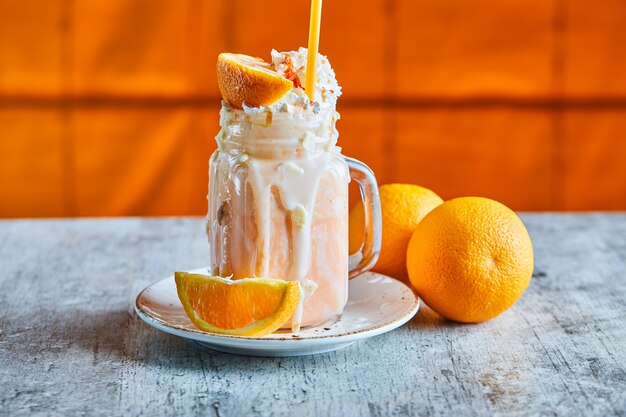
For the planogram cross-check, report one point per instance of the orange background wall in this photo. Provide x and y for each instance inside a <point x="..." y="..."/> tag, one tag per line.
<point x="110" y="107"/>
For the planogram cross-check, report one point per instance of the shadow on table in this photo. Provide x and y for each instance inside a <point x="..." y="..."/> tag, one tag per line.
<point x="118" y="336"/>
<point x="115" y="336"/>
<point x="427" y="319"/>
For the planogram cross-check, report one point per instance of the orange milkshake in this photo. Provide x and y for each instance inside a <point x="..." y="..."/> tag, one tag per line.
<point x="278" y="192"/>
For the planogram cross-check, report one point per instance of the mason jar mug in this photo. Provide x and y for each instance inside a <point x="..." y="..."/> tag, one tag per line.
<point x="278" y="207"/>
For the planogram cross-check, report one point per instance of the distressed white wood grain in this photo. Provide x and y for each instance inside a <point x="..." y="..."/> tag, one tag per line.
<point x="69" y="344"/>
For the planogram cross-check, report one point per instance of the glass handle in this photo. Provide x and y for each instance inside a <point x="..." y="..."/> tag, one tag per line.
<point x="367" y="256"/>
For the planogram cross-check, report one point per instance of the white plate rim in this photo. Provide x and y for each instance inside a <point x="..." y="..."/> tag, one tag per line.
<point x="275" y="342"/>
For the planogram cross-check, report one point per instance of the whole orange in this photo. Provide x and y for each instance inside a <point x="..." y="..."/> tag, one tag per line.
<point x="403" y="207"/>
<point x="470" y="259"/>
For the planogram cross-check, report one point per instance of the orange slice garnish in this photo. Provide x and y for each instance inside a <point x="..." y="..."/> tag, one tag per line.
<point x="252" y="307"/>
<point x="242" y="78"/>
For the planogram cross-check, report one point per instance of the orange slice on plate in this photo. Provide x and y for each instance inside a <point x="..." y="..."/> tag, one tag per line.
<point x="252" y="307"/>
<point x="242" y="78"/>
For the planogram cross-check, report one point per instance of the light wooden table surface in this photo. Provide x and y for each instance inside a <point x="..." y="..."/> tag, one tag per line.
<point x="71" y="345"/>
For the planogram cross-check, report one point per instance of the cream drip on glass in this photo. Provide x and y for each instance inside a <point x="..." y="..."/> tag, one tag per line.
<point x="278" y="193"/>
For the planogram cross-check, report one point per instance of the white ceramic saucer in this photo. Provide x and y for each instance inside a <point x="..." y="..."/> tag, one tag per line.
<point x="377" y="304"/>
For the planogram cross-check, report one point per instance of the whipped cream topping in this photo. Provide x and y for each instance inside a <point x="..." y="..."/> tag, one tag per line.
<point x="292" y="65"/>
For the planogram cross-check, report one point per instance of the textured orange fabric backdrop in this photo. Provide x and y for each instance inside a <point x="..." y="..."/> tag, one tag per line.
<point x="110" y="108"/>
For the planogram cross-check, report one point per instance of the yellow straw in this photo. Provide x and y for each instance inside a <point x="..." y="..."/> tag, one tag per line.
<point x="314" y="43"/>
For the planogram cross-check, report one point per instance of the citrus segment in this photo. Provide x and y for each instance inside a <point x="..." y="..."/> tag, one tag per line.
<point x="245" y="307"/>
<point x="242" y="78"/>
<point x="470" y="259"/>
